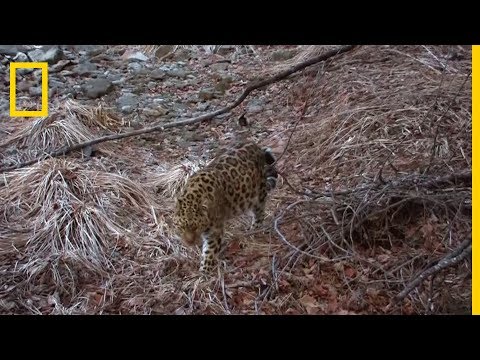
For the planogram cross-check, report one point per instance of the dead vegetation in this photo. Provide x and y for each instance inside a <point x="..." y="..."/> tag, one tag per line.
<point x="374" y="203"/>
<point x="388" y="187"/>
<point x="68" y="124"/>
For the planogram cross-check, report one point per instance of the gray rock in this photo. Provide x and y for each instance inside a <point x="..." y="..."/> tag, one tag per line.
<point x="178" y="73"/>
<point x="253" y="109"/>
<point x="52" y="55"/>
<point x="115" y="76"/>
<point x="25" y="85"/>
<point x="135" y="124"/>
<point x="128" y="99"/>
<point x="96" y="88"/>
<point x="180" y="107"/>
<point x="20" y="57"/>
<point x="119" y="81"/>
<point x="127" y="109"/>
<point x="157" y="111"/>
<point x="12" y="50"/>
<point x="158" y="74"/>
<point x="138" y="56"/>
<point x="66" y="73"/>
<point x="135" y="67"/>
<point x="90" y="50"/>
<point x="158" y="100"/>
<point x="24" y="71"/>
<point x="85" y="68"/>
<point x="35" y="91"/>
<point x="53" y="83"/>
<point x="151" y="85"/>
<point x="9" y="50"/>
<point x="203" y="107"/>
<point x="4" y="104"/>
<point x="206" y="94"/>
<point x="219" y="66"/>
<point x="255" y="106"/>
<point x="180" y="85"/>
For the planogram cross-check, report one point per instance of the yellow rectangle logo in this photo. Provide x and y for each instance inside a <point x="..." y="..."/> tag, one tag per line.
<point x="475" y="180"/>
<point x="43" y="112"/>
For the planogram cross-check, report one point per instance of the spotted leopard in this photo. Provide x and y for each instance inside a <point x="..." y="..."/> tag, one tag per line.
<point x="236" y="181"/>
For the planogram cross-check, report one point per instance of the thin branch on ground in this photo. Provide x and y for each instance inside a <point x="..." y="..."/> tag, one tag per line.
<point x="449" y="260"/>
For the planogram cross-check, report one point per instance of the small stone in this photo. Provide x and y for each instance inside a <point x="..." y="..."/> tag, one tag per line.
<point x="21" y="57"/>
<point x="138" y="56"/>
<point x="119" y="81"/>
<point x="35" y="91"/>
<point x="219" y="66"/>
<point x="85" y="68"/>
<point x="178" y="73"/>
<point x="158" y="74"/>
<point x="127" y="109"/>
<point x="206" y="94"/>
<point x="158" y="111"/>
<point x="96" y="88"/>
<point x="254" y="109"/>
<point x="52" y="55"/>
<point x="128" y="99"/>
<point x="24" y="85"/>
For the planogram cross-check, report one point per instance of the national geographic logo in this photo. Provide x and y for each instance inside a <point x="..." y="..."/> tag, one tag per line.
<point x="14" y="112"/>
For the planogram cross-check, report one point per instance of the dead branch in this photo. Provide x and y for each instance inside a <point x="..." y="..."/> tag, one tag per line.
<point x="254" y="86"/>
<point x="449" y="260"/>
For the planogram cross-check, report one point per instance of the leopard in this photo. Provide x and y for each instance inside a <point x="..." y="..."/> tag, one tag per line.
<point x="238" y="180"/>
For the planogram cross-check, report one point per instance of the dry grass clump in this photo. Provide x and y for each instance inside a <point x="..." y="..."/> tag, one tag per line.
<point x="67" y="125"/>
<point x="171" y="180"/>
<point x="93" y="116"/>
<point x="385" y="157"/>
<point x="368" y="118"/>
<point x="60" y="216"/>
<point x="41" y="136"/>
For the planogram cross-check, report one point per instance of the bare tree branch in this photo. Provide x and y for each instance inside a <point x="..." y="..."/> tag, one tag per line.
<point x="254" y="86"/>
<point x="449" y="260"/>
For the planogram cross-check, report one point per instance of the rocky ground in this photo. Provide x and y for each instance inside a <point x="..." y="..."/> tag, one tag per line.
<point x="146" y="86"/>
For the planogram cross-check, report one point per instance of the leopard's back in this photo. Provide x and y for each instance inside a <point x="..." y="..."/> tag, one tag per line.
<point x="237" y="180"/>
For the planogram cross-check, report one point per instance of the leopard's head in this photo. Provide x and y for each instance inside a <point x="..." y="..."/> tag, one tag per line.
<point x="188" y="221"/>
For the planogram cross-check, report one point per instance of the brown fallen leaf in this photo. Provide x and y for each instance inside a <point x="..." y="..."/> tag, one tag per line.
<point x="310" y="304"/>
<point x="350" y="272"/>
<point x="332" y="305"/>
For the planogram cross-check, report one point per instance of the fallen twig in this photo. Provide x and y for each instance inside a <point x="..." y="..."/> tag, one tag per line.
<point x="449" y="260"/>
